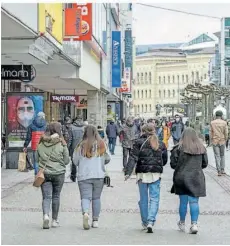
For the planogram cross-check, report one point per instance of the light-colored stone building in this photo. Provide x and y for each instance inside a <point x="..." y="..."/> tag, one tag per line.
<point x="162" y="74"/>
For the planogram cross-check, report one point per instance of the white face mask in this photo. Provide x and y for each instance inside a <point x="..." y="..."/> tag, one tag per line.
<point x="177" y="119"/>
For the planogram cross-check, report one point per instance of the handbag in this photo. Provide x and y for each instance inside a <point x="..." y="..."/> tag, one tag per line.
<point x="107" y="156"/>
<point x="40" y="177"/>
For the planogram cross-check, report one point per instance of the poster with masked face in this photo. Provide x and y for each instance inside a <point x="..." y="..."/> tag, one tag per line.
<point x="22" y="108"/>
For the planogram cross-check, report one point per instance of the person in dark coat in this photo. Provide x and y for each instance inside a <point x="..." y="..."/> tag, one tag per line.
<point x="188" y="158"/>
<point x="149" y="155"/>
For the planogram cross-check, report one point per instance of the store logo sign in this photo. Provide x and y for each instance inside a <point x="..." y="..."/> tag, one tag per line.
<point x="16" y="72"/>
<point x="66" y="99"/>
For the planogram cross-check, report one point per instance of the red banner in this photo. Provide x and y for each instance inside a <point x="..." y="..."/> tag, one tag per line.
<point x="74" y="20"/>
<point x="64" y="98"/>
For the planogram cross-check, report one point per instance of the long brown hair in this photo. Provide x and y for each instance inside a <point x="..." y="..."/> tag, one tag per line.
<point x="149" y="130"/>
<point x="92" y="144"/>
<point x="190" y="142"/>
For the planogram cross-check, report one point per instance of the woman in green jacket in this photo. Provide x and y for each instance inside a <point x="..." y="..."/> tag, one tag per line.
<point x="53" y="156"/>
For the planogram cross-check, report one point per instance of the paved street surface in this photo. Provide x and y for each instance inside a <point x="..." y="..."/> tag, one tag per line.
<point x="120" y="218"/>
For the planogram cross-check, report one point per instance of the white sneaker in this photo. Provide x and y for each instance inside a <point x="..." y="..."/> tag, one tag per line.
<point x="150" y="228"/>
<point x="55" y="224"/>
<point x="144" y="226"/>
<point x="193" y="229"/>
<point x="86" y="221"/>
<point x="46" y="222"/>
<point x="181" y="226"/>
<point x="95" y="224"/>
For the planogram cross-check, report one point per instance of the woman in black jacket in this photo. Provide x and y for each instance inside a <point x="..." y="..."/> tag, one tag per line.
<point x="188" y="158"/>
<point x="149" y="155"/>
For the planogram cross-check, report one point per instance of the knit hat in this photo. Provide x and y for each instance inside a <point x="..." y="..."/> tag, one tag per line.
<point x="219" y="113"/>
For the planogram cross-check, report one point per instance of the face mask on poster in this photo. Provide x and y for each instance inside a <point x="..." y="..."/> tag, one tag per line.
<point x="25" y="112"/>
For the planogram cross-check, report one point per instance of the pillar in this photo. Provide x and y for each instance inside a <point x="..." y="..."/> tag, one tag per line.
<point x="96" y="108"/>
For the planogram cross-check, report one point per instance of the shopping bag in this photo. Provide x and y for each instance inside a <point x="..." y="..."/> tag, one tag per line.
<point x="22" y="162"/>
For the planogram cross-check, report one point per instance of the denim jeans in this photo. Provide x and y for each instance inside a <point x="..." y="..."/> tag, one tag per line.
<point x="126" y="152"/>
<point x="194" y="207"/>
<point x="112" y="144"/>
<point x="51" y="190"/>
<point x="91" y="190"/>
<point x="219" y="157"/>
<point x="35" y="162"/>
<point x="149" y="201"/>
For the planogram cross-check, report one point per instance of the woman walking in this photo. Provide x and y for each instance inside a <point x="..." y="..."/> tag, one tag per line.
<point x="166" y="133"/>
<point x="89" y="159"/>
<point x="149" y="155"/>
<point x="53" y="156"/>
<point x="188" y="158"/>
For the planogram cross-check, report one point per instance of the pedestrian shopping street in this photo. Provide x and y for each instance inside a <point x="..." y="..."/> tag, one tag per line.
<point x="120" y="219"/>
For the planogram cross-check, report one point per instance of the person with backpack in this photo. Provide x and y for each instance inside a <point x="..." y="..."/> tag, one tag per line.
<point x="89" y="159"/>
<point x="188" y="159"/>
<point x="149" y="155"/>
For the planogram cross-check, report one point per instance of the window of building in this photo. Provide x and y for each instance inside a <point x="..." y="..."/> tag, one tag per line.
<point x="142" y="78"/>
<point x="164" y="93"/>
<point x="150" y="107"/>
<point x="197" y="77"/>
<point x="183" y="79"/>
<point x="164" y="79"/>
<point x="142" y="94"/>
<point x="142" y="108"/>
<point x="150" y="94"/>
<point x="159" y="93"/>
<point x="134" y="94"/>
<point x="146" y="108"/>
<point x="138" y="95"/>
<point x="146" y="94"/>
<point x="186" y="78"/>
<point x="159" y="79"/>
<point x="174" y="93"/>
<point x="138" y="108"/>
<point x="146" y="78"/>
<point x="193" y="77"/>
<point x="173" y="78"/>
<point x="138" y="78"/>
<point x="169" y="94"/>
<point x="150" y="78"/>
<point x="205" y="76"/>
<point x="178" y="79"/>
<point x="169" y="79"/>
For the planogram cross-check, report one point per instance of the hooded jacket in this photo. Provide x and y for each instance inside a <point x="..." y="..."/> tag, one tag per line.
<point x="34" y="132"/>
<point x="52" y="155"/>
<point x="188" y="178"/>
<point x="75" y="135"/>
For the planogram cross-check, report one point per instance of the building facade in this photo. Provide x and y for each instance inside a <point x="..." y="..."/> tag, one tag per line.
<point x="162" y="75"/>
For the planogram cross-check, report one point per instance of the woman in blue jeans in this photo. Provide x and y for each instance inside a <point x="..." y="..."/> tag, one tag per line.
<point x="188" y="158"/>
<point x="149" y="155"/>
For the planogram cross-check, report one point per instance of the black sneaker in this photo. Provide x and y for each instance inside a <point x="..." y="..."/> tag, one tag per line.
<point x="73" y="178"/>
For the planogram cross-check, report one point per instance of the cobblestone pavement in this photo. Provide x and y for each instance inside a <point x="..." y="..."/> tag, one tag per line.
<point x="120" y="218"/>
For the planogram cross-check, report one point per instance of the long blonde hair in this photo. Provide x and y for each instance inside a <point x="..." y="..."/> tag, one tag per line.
<point x="91" y="144"/>
<point x="149" y="130"/>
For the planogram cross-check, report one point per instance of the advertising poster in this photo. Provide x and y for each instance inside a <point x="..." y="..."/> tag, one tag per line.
<point x="78" y="22"/>
<point x="22" y="108"/>
<point x="82" y="102"/>
<point x="113" y="111"/>
<point x="116" y="59"/>
<point x="128" y="48"/>
<point x="126" y="81"/>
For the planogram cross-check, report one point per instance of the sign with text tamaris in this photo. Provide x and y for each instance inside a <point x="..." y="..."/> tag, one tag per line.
<point x="78" y="22"/>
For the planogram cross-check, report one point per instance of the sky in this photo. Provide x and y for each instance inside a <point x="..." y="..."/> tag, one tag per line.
<point x="155" y="26"/>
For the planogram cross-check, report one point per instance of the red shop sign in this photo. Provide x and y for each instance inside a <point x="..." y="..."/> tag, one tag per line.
<point x="64" y="98"/>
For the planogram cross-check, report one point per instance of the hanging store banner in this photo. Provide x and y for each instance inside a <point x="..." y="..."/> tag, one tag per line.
<point x="128" y="48"/>
<point x="126" y="81"/>
<point x="78" y="22"/>
<point x="21" y="109"/>
<point x="116" y="59"/>
<point x="64" y="98"/>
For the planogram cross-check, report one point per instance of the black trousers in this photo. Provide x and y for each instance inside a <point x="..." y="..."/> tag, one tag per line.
<point x="126" y="153"/>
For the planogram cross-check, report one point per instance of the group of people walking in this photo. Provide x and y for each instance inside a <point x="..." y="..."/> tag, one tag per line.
<point x="145" y="151"/>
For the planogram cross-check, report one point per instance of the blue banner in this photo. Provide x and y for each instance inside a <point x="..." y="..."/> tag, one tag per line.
<point x="116" y="59"/>
<point x="128" y="49"/>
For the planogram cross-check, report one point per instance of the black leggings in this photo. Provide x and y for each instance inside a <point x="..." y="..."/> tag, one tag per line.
<point x="227" y="143"/>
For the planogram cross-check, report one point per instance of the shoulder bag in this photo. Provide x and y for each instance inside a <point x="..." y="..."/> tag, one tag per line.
<point x="40" y="177"/>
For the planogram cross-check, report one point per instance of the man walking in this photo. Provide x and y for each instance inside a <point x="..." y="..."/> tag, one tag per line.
<point x="33" y="135"/>
<point x="128" y="135"/>
<point x="112" y="133"/>
<point x="219" y="136"/>
<point x="177" y="129"/>
<point x="198" y="127"/>
<point x="76" y="131"/>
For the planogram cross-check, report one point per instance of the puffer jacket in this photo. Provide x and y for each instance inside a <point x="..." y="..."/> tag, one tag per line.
<point x="76" y="132"/>
<point x="52" y="154"/>
<point x="34" y="132"/>
<point x="188" y="178"/>
<point x="145" y="158"/>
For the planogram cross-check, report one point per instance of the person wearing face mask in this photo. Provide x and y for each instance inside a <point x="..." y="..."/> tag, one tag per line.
<point x="177" y="129"/>
<point x="33" y="135"/>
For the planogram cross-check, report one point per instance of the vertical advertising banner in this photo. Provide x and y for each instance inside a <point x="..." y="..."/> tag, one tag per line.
<point x="78" y="22"/>
<point x="128" y="49"/>
<point x="21" y="110"/>
<point x="116" y="59"/>
<point x="126" y="81"/>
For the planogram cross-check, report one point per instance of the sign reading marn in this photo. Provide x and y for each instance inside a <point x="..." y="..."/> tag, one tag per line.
<point x="16" y="72"/>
